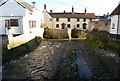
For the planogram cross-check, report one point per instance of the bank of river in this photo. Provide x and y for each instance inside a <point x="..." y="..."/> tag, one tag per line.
<point x="59" y="60"/>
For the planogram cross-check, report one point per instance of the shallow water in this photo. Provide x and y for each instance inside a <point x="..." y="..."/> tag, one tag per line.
<point x="84" y="70"/>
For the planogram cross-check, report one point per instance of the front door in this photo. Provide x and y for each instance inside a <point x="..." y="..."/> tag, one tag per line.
<point x="63" y="26"/>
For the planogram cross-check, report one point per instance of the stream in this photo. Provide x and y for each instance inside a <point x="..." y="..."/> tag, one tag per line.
<point x="42" y="62"/>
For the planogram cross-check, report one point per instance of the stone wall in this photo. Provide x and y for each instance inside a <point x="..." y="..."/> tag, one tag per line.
<point x="57" y="33"/>
<point x="99" y="25"/>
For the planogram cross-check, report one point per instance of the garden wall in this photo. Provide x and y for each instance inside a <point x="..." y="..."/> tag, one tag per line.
<point x="56" y="33"/>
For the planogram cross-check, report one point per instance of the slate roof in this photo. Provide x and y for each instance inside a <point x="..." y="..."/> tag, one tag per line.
<point x="116" y="11"/>
<point x="73" y="15"/>
<point x="23" y="4"/>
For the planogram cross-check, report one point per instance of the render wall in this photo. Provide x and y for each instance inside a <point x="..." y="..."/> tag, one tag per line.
<point x="114" y="20"/>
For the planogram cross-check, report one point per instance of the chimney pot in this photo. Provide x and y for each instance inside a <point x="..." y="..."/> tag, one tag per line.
<point x="64" y="11"/>
<point x="34" y="3"/>
<point x="72" y="9"/>
<point x="51" y="11"/>
<point x="85" y="10"/>
<point x="45" y="6"/>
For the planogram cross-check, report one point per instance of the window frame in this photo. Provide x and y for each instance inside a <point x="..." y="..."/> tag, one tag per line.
<point x="78" y="19"/>
<point x="78" y="25"/>
<point x="32" y="24"/>
<point x="84" y="20"/>
<point x="57" y="19"/>
<point x="57" y="25"/>
<point x="69" y="19"/>
<point x="91" y="19"/>
<point x="68" y="26"/>
<point x="13" y="23"/>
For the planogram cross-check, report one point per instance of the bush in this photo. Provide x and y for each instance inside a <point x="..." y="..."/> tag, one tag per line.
<point x="101" y="39"/>
<point x="55" y="34"/>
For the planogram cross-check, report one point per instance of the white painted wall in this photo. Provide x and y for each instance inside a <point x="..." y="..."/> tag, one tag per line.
<point x="11" y="8"/>
<point x="14" y="30"/>
<point x="114" y="19"/>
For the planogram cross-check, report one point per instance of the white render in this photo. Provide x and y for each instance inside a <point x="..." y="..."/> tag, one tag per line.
<point x="13" y="10"/>
<point x="114" y="20"/>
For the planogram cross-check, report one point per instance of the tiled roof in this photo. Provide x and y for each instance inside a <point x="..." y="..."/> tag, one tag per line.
<point x="72" y="15"/>
<point x="116" y="11"/>
<point x="23" y="4"/>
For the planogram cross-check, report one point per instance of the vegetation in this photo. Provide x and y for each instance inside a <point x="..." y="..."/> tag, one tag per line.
<point x="101" y="39"/>
<point x="67" y="69"/>
<point x="55" y="34"/>
<point x="76" y="33"/>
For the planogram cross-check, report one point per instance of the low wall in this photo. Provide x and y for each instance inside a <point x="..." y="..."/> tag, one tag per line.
<point x="21" y="39"/>
<point x="17" y="52"/>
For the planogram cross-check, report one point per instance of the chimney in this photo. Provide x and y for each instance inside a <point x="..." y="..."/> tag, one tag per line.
<point x="34" y="3"/>
<point x="51" y="11"/>
<point x="44" y="6"/>
<point x="85" y="10"/>
<point x="64" y="11"/>
<point x="72" y="9"/>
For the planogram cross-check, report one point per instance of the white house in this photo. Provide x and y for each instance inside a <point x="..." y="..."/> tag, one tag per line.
<point x="19" y="17"/>
<point x="67" y="19"/>
<point x="115" y="21"/>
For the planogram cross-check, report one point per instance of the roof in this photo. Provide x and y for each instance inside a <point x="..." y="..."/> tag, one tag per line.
<point x="116" y="11"/>
<point x="72" y="15"/>
<point x="23" y="4"/>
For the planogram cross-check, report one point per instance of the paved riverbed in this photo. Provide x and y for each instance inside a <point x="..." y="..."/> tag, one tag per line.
<point x="44" y="61"/>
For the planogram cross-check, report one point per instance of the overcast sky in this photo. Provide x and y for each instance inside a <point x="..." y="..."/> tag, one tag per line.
<point x="99" y="7"/>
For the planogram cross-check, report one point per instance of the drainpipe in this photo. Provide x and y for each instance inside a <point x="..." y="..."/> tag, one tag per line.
<point x="118" y="28"/>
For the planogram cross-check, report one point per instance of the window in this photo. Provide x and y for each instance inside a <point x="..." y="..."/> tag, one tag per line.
<point x="32" y="24"/>
<point x="7" y="23"/>
<point x="68" y="25"/>
<point x="57" y="19"/>
<point x="84" y="20"/>
<point x="50" y="19"/>
<point x="78" y="19"/>
<point x="11" y="23"/>
<point x="91" y="20"/>
<point x="78" y="25"/>
<point x="84" y="26"/>
<point x="57" y="25"/>
<point x="14" y="22"/>
<point x="113" y="26"/>
<point x="68" y="20"/>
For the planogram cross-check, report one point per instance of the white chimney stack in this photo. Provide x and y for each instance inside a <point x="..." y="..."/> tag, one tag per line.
<point x="34" y="3"/>
<point x="118" y="2"/>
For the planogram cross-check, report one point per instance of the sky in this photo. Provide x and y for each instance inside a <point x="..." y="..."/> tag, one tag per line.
<point x="99" y="7"/>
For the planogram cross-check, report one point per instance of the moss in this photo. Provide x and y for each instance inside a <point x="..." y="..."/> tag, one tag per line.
<point x="67" y="70"/>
